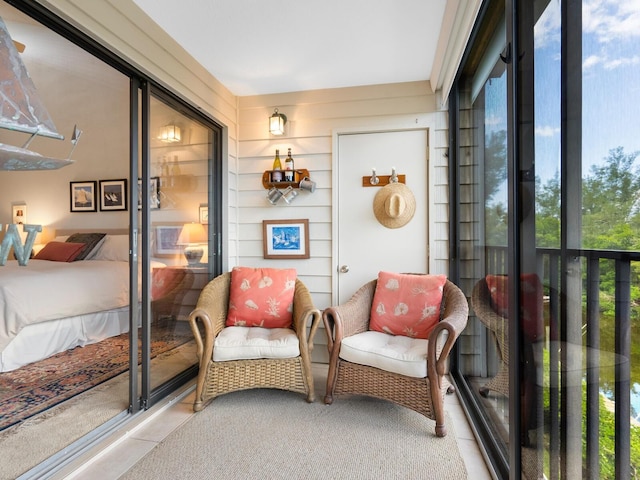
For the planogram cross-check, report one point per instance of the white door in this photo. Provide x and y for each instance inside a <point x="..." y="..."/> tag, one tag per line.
<point x="365" y="247"/>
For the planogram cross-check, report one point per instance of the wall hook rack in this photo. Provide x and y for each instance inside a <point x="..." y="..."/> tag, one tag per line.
<point x="375" y="180"/>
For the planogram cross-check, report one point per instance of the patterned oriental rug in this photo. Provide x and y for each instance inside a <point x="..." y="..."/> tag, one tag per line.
<point x="34" y="388"/>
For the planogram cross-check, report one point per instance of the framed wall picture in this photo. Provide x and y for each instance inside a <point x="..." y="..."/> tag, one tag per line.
<point x="286" y="239"/>
<point x="113" y="195"/>
<point x="83" y="196"/>
<point x="165" y="239"/>
<point x="204" y="214"/>
<point x="19" y="214"/>
<point x="154" y="193"/>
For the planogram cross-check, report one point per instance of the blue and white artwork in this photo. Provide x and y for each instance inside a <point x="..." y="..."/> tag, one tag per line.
<point x="286" y="238"/>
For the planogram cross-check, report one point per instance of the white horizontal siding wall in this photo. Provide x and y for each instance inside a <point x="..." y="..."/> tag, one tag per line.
<point x="312" y="119"/>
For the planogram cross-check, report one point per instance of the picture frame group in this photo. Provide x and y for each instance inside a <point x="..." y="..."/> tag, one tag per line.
<point x="109" y="195"/>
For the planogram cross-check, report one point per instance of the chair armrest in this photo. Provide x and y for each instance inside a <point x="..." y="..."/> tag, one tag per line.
<point x="349" y="318"/>
<point x="305" y="314"/>
<point x="453" y="321"/>
<point x="211" y="311"/>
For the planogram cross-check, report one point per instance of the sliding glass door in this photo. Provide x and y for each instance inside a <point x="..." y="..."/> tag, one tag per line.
<point x="143" y="186"/>
<point x="547" y="181"/>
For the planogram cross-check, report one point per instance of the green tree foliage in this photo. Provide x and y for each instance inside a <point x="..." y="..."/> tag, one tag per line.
<point x="548" y="213"/>
<point x="610" y="203"/>
<point x="496" y="219"/>
<point x="610" y="217"/>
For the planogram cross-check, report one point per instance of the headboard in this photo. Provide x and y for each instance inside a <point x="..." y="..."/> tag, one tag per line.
<point x="108" y="231"/>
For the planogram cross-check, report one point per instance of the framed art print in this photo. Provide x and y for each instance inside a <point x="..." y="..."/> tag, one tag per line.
<point x="113" y="195"/>
<point x="83" y="196"/>
<point x="203" y="213"/>
<point x="165" y="240"/>
<point x="286" y="239"/>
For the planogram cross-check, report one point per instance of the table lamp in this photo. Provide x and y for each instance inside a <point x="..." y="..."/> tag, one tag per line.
<point x="193" y="236"/>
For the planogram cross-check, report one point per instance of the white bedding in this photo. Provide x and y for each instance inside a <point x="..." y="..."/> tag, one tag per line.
<point x="48" y="307"/>
<point x="45" y="290"/>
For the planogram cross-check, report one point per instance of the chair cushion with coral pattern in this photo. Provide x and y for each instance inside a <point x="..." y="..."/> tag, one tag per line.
<point x="407" y="304"/>
<point x="242" y="343"/>
<point x="392" y="353"/>
<point x="261" y="297"/>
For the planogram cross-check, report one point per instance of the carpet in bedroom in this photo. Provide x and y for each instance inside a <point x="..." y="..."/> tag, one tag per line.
<point x="34" y="388"/>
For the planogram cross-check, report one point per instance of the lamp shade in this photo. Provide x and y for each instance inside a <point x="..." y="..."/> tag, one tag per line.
<point x="192" y="233"/>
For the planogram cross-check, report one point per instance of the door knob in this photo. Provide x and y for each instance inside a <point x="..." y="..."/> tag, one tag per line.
<point x="343" y="269"/>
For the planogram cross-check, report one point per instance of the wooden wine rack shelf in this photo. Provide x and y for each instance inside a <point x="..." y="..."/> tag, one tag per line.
<point x="298" y="175"/>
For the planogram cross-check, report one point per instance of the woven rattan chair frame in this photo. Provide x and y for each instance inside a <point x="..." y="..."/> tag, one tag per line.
<point x="424" y="395"/>
<point x="499" y="328"/>
<point x="218" y="378"/>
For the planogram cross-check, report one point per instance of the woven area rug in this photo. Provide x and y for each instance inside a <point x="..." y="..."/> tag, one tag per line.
<point x="36" y="387"/>
<point x="258" y="434"/>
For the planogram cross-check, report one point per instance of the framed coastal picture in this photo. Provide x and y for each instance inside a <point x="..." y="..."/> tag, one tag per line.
<point x="113" y="195"/>
<point x="286" y="239"/>
<point x="83" y="196"/>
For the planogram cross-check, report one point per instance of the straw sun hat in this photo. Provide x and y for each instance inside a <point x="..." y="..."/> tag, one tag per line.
<point x="394" y="205"/>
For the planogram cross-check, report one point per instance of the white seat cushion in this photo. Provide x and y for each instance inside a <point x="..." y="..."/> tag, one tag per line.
<point x="393" y="353"/>
<point x="241" y="343"/>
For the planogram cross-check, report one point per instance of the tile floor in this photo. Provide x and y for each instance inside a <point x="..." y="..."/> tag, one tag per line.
<point x="115" y="455"/>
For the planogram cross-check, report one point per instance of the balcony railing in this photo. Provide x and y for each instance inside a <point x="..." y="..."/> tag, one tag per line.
<point x="577" y="321"/>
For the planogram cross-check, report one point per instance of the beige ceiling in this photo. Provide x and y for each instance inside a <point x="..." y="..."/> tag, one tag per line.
<point x="260" y="46"/>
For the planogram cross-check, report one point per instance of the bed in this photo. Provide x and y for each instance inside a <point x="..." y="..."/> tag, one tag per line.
<point x="49" y="306"/>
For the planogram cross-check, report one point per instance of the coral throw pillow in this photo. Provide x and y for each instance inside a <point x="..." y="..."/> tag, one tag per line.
<point x="261" y="297"/>
<point x="60" y="251"/>
<point x="407" y="304"/>
<point x="530" y="297"/>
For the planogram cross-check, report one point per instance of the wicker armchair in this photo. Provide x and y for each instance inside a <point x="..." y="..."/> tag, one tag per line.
<point x="531" y="322"/>
<point x="424" y="395"/>
<point x="497" y="325"/>
<point x="219" y="377"/>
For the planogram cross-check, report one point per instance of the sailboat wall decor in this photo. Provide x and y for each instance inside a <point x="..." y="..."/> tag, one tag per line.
<point x="21" y="110"/>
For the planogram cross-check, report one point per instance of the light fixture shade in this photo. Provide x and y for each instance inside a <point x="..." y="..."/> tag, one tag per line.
<point x="170" y="134"/>
<point x="276" y="123"/>
<point x="192" y="233"/>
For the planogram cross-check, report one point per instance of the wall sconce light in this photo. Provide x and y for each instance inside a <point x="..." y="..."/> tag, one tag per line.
<point x="193" y="236"/>
<point x="276" y="123"/>
<point x="170" y="134"/>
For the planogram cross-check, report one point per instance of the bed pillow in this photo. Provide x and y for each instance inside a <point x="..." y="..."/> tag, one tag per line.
<point x="407" y="304"/>
<point x="92" y="242"/>
<point x="261" y="297"/>
<point x="60" y="251"/>
<point x="114" y="248"/>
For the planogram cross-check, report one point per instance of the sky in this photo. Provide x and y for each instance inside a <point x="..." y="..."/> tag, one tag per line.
<point x="611" y="82"/>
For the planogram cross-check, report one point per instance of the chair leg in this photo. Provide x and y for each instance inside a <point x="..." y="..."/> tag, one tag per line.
<point x="332" y="376"/>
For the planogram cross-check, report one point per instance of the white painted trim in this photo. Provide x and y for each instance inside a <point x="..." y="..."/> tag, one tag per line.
<point x="457" y="24"/>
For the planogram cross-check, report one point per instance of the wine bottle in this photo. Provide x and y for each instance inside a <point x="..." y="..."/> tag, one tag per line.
<point x="276" y="174"/>
<point x="288" y="168"/>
